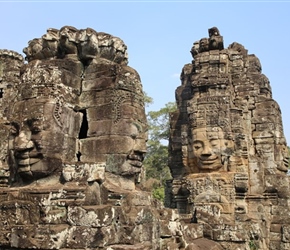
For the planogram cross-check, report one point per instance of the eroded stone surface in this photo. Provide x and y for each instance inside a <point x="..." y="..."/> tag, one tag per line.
<point x="78" y="102"/>
<point x="228" y="154"/>
<point x="10" y="65"/>
<point x="74" y="131"/>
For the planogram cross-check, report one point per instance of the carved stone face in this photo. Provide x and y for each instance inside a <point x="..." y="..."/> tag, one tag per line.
<point x="127" y="157"/>
<point x="281" y="154"/>
<point x="117" y="130"/>
<point x="208" y="150"/>
<point x="121" y="144"/>
<point x="43" y="135"/>
<point x="34" y="49"/>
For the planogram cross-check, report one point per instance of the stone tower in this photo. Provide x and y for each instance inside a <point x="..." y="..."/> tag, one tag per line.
<point x="228" y="154"/>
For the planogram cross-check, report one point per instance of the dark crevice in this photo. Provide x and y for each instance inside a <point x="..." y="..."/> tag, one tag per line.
<point x="194" y="218"/>
<point x="79" y="154"/>
<point x="1" y="92"/>
<point x="85" y="126"/>
<point x="83" y="130"/>
<point x="203" y="88"/>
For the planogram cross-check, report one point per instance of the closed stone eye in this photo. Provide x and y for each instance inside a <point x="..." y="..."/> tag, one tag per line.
<point x="197" y="146"/>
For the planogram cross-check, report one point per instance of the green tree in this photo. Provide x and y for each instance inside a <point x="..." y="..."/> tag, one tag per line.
<point x="147" y="99"/>
<point x="157" y="149"/>
<point x="156" y="160"/>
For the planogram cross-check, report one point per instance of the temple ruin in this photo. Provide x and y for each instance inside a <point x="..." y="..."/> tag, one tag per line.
<point x="73" y="137"/>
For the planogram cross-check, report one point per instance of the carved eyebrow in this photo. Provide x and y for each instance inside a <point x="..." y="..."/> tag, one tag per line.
<point x="197" y="141"/>
<point x="215" y="142"/>
<point x="146" y="129"/>
<point x="138" y="126"/>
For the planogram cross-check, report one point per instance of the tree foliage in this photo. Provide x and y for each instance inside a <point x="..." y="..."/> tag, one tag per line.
<point x="156" y="160"/>
<point x="147" y="99"/>
<point x="157" y="146"/>
<point x="159" y="122"/>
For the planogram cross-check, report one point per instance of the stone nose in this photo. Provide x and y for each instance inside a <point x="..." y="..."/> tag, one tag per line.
<point x="207" y="149"/>
<point x="140" y="146"/>
<point x="23" y="141"/>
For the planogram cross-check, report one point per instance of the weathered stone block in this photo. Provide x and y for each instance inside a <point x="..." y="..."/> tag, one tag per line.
<point x="18" y="212"/>
<point x="82" y="237"/>
<point x="142" y="246"/>
<point x="84" y="172"/>
<point x="275" y="245"/>
<point x="95" y="216"/>
<point x="286" y="233"/>
<point x="54" y="214"/>
<point x="40" y="236"/>
<point x="276" y="228"/>
<point x="284" y="246"/>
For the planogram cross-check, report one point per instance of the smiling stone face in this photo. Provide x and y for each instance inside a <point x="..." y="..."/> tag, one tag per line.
<point x="112" y="99"/>
<point x="83" y="105"/>
<point x="208" y="150"/>
<point x="40" y="139"/>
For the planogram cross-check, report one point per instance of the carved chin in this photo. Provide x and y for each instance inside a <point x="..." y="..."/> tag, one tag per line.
<point x="123" y="164"/>
<point x="23" y="169"/>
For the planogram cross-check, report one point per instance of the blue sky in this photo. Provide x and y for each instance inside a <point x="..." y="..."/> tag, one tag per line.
<point x="160" y="34"/>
